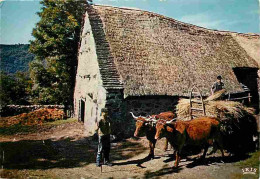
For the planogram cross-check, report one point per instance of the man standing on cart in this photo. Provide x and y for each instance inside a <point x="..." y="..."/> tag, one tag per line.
<point x="218" y="85"/>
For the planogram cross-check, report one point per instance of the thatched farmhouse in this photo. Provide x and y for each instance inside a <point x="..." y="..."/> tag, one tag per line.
<point x="139" y="61"/>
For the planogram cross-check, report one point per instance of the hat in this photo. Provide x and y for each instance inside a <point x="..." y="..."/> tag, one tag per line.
<point x="104" y="110"/>
<point x="219" y="77"/>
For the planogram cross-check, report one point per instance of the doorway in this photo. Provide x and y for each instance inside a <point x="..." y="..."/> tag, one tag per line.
<point x="82" y="111"/>
<point x="248" y="78"/>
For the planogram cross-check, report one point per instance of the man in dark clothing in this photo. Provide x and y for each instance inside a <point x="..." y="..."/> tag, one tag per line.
<point x="103" y="129"/>
<point x="217" y="86"/>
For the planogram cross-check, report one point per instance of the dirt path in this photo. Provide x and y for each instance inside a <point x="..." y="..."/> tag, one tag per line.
<point x="64" y="152"/>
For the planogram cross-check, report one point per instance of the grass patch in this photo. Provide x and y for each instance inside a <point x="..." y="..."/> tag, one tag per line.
<point x="17" y="129"/>
<point x="252" y="161"/>
<point x="59" y="122"/>
<point x="24" y="129"/>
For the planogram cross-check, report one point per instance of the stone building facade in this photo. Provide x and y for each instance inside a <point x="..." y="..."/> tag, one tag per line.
<point x="141" y="62"/>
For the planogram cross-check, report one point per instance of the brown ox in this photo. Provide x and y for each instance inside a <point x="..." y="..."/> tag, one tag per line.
<point x="201" y="131"/>
<point x="147" y="126"/>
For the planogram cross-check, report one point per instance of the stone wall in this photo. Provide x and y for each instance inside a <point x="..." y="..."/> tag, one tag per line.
<point x="151" y="105"/>
<point x="116" y="105"/>
<point x="147" y="105"/>
<point x="122" y="123"/>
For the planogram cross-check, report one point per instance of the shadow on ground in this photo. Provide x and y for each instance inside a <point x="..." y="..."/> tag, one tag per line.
<point x="63" y="153"/>
<point x="138" y="162"/>
<point x="46" y="154"/>
<point x="166" y="169"/>
<point x="127" y="149"/>
<point x="163" y="171"/>
<point x="209" y="160"/>
<point x="215" y="160"/>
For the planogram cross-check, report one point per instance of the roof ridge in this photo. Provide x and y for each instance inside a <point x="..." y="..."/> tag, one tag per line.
<point x="183" y="23"/>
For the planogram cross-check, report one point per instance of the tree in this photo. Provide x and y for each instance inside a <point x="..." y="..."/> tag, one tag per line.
<point x="15" y="89"/>
<point x="55" y="47"/>
<point x="6" y="88"/>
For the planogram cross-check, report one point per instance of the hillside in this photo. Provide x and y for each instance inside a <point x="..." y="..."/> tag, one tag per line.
<point x="15" y="58"/>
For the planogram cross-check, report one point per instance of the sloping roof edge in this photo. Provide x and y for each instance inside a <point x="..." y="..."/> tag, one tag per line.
<point x="109" y="74"/>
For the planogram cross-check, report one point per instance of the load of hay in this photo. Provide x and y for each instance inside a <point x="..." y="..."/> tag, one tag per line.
<point x="238" y="124"/>
<point x="38" y="116"/>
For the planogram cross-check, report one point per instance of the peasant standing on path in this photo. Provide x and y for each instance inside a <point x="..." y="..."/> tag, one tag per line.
<point x="103" y="129"/>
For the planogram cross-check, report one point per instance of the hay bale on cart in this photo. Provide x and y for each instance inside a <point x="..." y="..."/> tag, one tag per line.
<point x="238" y="123"/>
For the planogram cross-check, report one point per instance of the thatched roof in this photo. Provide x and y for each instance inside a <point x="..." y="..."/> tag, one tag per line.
<point x="251" y="43"/>
<point x="151" y="54"/>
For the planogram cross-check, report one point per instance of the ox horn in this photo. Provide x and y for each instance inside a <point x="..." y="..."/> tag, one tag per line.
<point x="168" y="122"/>
<point x="133" y="115"/>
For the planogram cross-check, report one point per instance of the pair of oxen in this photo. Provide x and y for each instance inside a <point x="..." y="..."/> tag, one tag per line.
<point x="202" y="131"/>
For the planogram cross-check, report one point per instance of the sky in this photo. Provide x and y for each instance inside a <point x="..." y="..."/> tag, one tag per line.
<point x="18" y="17"/>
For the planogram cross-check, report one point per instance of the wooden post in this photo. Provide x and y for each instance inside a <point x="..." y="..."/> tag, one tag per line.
<point x="3" y="159"/>
<point x="191" y="104"/>
<point x="201" y="101"/>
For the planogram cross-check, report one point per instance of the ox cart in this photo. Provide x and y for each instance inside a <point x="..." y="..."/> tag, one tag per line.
<point x="228" y="124"/>
<point x="238" y="122"/>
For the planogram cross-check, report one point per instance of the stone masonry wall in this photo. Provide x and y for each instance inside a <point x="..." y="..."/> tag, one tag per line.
<point x="122" y="123"/>
<point x="116" y="106"/>
<point x="148" y="105"/>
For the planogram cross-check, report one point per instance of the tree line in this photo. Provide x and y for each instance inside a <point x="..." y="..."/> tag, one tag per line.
<point x="15" y="84"/>
<point x="15" y="58"/>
